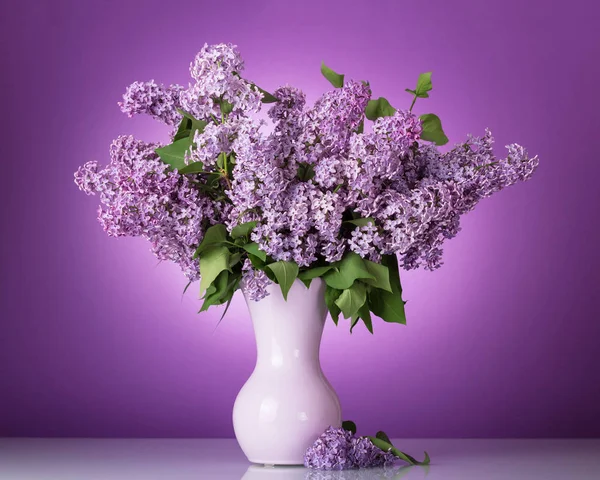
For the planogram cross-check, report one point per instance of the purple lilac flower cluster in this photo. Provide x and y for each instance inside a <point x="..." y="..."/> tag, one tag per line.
<point x="300" y="182"/>
<point x="140" y="197"/>
<point x="339" y="449"/>
<point x="152" y="99"/>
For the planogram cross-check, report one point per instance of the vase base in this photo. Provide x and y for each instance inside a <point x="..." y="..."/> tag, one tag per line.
<point x="272" y="464"/>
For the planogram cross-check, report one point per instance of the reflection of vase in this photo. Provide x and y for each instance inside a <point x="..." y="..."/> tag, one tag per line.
<point x="259" y="472"/>
<point x="287" y="402"/>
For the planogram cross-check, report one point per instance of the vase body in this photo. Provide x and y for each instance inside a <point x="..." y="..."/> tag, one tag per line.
<point x="287" y="402"/>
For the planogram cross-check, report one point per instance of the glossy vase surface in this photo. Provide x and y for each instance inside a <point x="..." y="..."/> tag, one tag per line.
<point x="287" y="402"/>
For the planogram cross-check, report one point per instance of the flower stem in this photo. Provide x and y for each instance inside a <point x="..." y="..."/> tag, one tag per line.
<point x="413" y="103"/>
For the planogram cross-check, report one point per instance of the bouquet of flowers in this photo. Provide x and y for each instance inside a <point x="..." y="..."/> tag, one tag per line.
<point x="349" y="189"/>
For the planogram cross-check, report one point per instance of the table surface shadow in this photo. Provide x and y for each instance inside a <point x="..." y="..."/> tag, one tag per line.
<point x="222" y="459"/>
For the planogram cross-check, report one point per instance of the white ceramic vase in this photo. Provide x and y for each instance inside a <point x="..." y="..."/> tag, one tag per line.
<point x="287" y="402"/>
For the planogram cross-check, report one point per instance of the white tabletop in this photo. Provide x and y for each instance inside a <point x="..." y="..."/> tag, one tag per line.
<point x="198" y="459"/>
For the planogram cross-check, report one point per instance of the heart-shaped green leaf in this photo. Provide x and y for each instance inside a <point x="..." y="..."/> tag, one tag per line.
<point x="389" y="306"/>
<point x="243" y="230"/>
<point x="331" y="295"/>
<point x="423" y="85"/>
<point x="174" y="153"/>
<point x="314" y="272"/>
<point x="253" y="249"/>
<point x="213" y="261"/>
<point x="194" y="167"/>
<point x="349" y="269"/>
<point x="381" y="276"/>
<point x="432" y="129"/>
<point x="215" y="235"/>
<point x="285" y="273"/>
<point x="379" y="108"/>
<point x="352" y="299"/>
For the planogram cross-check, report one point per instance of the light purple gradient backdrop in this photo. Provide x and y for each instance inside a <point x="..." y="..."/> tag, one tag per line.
<point x="95" y="337"/>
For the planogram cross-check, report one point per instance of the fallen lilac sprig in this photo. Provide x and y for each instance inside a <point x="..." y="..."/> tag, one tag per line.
<point x="340" y="449"/>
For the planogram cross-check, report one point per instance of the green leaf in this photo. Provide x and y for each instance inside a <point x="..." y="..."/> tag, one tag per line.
<point x="186" y="287"/>
<point x="349" y="426"/>
<point x="423" y="85"/>
<point x="364" y="314"/>
<point x="382" y="441"/>
<point x="194" y="167"/>
<point x="174" y="153"/>
<point x="213" y="261"/>
<point x="184" y="129"/>
<point x="352" y="299"/>
<point x="361" y="126"/>
<point x="194" y="124"/>
<point x="379" y="108"/>
<point x="215" y="291"/>
<point x="349" y="269"/>
<point x="388" y="447"/>
<point x="361" y="222"/>
<point x="336" y="79"/>
<point x="382" y="436"/>
<point x="215" y="235"/>
<point x="389" y="306"/>
<point x="305" y="172"/>
<point x="381" y="275"/>
<point x="410" y="91"/>
<point x="256" y="262"/>
<point x="432" y="129"/>
<point x="253" y="249"/>
<point x="381" y="444"/>
<point x="234" y="258"/>
<point x="285" y="273"/>
<point x="314" y="272"/>
<point x="306" y="282"/>
<point x="267" y="97"/>
<point x="243" y="230"/>
<point x="225" y="106"/>
<point x="331" y="295"/>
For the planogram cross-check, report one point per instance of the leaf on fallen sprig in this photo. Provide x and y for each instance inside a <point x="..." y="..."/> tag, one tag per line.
<point x="349" y="426"/>
<point x="383" y="436"/>
<point x="387" y="446"/>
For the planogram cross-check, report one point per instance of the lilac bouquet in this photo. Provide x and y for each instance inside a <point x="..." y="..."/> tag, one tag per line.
<point x="349" y="189"/>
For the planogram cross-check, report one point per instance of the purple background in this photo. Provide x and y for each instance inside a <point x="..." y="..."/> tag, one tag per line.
<point x="95" y="337"/>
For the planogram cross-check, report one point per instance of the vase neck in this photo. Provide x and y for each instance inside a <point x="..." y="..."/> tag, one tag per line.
<point x="288" y="333"/>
